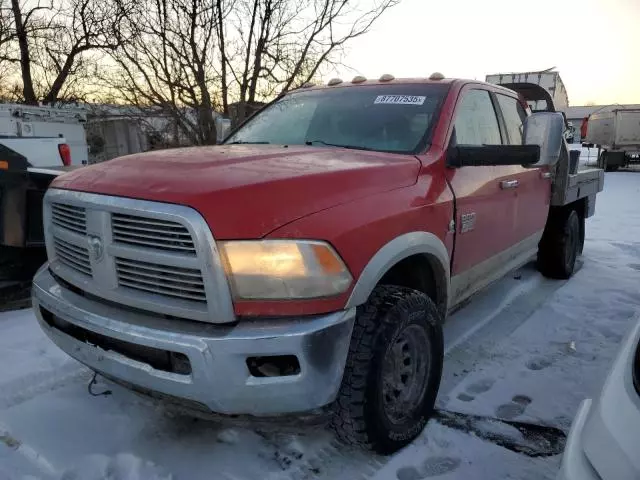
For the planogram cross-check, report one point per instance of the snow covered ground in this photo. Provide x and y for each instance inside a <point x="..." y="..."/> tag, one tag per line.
<point x="528" y="349"/>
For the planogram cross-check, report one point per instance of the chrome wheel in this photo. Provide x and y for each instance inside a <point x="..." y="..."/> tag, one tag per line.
<point x="405" y="374"/>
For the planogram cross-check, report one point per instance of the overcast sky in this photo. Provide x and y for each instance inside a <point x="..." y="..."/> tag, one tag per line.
<point x="595" y="44"/>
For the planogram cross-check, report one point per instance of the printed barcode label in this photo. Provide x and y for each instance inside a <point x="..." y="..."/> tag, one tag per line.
<point x="400" y="99"/>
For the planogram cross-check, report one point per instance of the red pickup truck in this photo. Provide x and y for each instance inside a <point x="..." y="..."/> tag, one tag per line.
<point x="306" y="266"/>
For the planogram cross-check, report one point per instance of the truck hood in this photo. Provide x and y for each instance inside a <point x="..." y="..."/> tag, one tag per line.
<point x="247" y="191"/>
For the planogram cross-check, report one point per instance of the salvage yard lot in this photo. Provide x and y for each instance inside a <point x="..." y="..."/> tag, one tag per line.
<point x="528" y="349"/>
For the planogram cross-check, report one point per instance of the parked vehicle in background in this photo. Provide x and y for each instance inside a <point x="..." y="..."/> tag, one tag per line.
<point x="604" y="438"/>
<point x="34" y="149"/>
<point x="306" y="266"/>
<point x="617" y="133"/>
<point x="25" y="121"/>
<point x="40" y="152"/>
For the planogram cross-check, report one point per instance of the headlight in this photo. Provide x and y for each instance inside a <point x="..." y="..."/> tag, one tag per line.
<point x="283" y="269"/>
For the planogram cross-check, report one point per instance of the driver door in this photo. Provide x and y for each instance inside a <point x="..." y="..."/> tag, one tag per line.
<point x="485" y="204"/>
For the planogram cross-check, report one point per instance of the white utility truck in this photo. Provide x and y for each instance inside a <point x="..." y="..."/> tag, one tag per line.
<point x="36" y="145"/>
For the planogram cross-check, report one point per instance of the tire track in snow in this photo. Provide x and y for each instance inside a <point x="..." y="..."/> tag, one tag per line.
<point x="37" y="383"/>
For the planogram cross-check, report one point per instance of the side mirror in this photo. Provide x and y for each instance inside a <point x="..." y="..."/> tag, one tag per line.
<point x="490" y="155"/>
<point x="546" y="130"/>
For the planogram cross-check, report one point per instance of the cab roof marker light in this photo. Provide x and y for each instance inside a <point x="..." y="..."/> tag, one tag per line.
<point x="307" y="85"/>
<point x="387" y="77"/>
<point x="334" y="81"/>
<point x="436" y="76"/>
<point x="359" y="79"/>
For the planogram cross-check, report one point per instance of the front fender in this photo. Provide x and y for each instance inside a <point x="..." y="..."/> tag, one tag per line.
<point x="399" y="248"/>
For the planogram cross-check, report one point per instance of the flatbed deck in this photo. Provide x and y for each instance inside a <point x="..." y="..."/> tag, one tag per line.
<point x="569" y="187"/>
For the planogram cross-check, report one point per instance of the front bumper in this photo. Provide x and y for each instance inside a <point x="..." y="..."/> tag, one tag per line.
<point x="219" y="377"/>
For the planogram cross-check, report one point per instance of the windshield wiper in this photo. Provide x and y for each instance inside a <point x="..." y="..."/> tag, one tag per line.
<point x="242" y="142"/>
<point x="352" y="147"/>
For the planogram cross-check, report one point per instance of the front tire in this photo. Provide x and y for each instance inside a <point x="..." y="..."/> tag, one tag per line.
<point x="561" y="244"/>
<point x="393" y="371"/>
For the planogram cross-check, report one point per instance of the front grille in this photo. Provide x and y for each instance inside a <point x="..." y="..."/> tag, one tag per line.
<point x="152" y="233"/>
<point x="73" y="256"/>
<point x="178" y="282"/>
<point x="69" y="217"/>
<point x="138" y="254"/>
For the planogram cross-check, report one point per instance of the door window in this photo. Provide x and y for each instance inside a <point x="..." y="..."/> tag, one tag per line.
<point x="476" y="122"/>
<point x="514" y="115"/>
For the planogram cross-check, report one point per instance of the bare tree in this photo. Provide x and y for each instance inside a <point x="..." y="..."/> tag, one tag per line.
<point x="189" y="57"/>
<point x="7" y="32"/>
<point x="52" y="42"/>
<point x="7" y="42"/>
<point x="288" y="41"/>
<point x="168" y="65"/>
<point x="83" y="27"/>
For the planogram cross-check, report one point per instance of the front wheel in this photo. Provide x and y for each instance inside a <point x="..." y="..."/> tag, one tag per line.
<point x="561" y="244"/>
<point x="393" y="371"/>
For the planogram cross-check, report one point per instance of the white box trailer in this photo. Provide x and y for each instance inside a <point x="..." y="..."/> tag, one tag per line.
<point x="551" y="82"/>
<point x="617" y="132"/>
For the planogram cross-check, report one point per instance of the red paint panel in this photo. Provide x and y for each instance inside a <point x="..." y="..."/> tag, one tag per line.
<point x="357" y="230"/>
<point x="248" y="191"/>
<point x="534" y="198"/>
<point x="478" y="192"/>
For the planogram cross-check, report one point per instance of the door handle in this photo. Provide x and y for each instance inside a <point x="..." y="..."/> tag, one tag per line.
<point x="505" y="184"/>
<point x="545" y="175"/>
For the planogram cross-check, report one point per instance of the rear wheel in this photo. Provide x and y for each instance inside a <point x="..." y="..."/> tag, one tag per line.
<point x="393" y="371"/>
<point x="561" y="244"/>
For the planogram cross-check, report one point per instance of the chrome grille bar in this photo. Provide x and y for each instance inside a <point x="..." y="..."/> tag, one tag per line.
<point x="172" y="281"/>
<point x="73" y="256"/>
<point x="152" y="233"/>
<point x="69" y="217"/>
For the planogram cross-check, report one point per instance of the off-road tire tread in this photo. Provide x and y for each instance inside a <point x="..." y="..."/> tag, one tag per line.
<point x="372" y="321"/>
<point x="551" y="262"/>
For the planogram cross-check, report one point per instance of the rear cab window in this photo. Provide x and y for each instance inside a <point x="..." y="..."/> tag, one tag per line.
<point x="514" y="115"/>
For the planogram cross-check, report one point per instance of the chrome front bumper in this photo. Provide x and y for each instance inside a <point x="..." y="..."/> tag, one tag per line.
<point x="220" y="379"/>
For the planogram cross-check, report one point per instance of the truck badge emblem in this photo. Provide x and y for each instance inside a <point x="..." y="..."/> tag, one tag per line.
<point x="95" y="247"/>
<point x="467" y="222"/>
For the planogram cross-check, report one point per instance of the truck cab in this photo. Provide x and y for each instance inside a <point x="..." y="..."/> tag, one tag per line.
<point x="306" y="266"/>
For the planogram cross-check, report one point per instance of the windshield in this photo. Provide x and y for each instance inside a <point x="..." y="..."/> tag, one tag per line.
<point x="388" y="118"/>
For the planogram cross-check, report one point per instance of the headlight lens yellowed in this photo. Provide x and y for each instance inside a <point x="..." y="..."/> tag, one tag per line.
<point x="283" y="269"/>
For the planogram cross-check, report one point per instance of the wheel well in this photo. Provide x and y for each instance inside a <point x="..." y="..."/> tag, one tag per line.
<point x="419" y="272"/>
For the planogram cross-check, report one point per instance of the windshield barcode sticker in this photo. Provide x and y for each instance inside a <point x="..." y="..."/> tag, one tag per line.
<point x="400" y="99"/>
